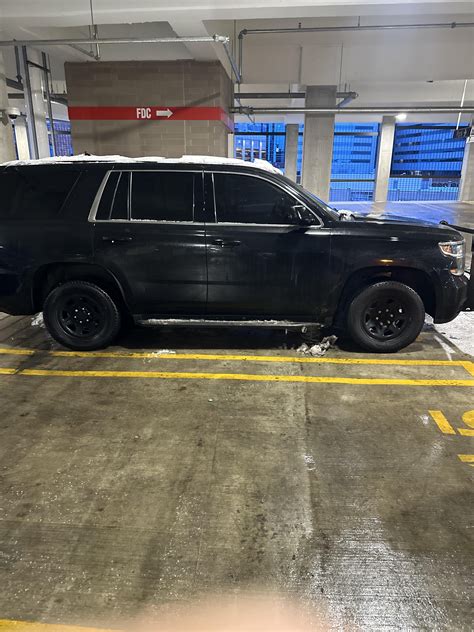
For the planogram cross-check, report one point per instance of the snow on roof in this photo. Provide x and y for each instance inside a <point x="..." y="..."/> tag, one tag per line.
<point x="200" y="160"/>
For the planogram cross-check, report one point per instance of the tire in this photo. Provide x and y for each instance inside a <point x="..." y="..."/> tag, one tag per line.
<point x="81" y="316"/>
<point x="385" y="317"/>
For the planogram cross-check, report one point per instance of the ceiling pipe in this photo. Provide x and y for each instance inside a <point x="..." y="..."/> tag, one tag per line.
<point x="355" y="27"/>
<point x="434" y="109"/>
<point x="216" y="39"/>
<point x="348" y="99"/>
<point x="47" y="91"/>
<point x="16" y="85"/>
<point x="32" y="136"/>
<point x="83" y="51"/>
<point x="289" y="95"/>
<point x="94" y="32"/>
<point x="78" y="42"/>
<point x="232" y="62"/>
<point x="55" y="98"/>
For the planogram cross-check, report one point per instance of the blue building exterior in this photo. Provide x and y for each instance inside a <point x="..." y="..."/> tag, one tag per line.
<point x="62" y="131"/>
<point x="261" y="140"/>
<point x="426" y="161"/>
<point x="354" y="161"/>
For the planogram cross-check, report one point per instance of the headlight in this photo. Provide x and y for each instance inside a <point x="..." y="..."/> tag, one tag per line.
<point x="456" y="250"/>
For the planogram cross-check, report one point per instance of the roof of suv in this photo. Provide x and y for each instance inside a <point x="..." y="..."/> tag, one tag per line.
<point x="189" y="160"/>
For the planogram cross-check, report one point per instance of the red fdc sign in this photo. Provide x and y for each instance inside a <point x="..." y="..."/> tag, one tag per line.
<point x="148" y="113"/>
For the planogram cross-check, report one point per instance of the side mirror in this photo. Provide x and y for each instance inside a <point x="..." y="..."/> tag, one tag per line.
<point x="302" y="215"/>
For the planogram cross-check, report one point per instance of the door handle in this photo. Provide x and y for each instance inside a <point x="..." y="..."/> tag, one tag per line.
<point x="225" y="244"/>
<point x="116" y="240"/>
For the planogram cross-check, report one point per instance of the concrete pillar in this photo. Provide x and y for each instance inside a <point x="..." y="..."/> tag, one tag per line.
<point x="466" y="186"/>
<point x="21" y="137"/>
<point x="39" y="107"/>
<point x="230" y="145"/>
<point x="318" y="141"/>
<point x="7" y="149"/>
<point x="384" y="158"/>
<point x="291" y="150"/>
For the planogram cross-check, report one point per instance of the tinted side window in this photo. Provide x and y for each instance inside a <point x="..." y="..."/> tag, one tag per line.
<point x="163" y="196"/>
<point x="108" y="194"/>
<point x="114" y="199"/>
<point x="79" y="202"/>
<point x="42" y="192"/>
<point x="120" y="201"/>
<point x="245" y="199"/>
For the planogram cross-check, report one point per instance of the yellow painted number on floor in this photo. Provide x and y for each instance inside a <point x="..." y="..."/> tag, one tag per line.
<point x="446" y="428"/>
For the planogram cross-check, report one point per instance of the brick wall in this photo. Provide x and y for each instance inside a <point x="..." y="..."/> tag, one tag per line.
<point x="144" y="83"/>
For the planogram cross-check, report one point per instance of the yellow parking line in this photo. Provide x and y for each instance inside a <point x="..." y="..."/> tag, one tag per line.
<point x="22" y="352"/>
<point x="441" y="421"/>
<point x="469" y="366"/>
<point x="248" y="377"/>
<point x="237" y="357"/>
<point x="7" y="625"/>
<point x="466" y="458"/>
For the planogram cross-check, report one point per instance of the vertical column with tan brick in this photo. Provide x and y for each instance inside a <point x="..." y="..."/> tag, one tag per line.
<point x="156" y="83"/>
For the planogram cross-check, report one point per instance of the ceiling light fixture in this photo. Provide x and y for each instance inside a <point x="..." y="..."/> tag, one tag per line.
<point x="401" y="116"/>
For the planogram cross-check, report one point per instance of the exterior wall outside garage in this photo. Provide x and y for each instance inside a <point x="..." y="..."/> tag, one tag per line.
<point x="161" y="85"/>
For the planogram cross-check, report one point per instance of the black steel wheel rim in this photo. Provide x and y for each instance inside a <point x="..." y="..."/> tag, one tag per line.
<point x="385" y="318"/>
<point x="81" y="316"/>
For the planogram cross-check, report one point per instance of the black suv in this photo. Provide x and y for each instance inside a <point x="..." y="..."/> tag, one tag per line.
<point x="95" y="241"/>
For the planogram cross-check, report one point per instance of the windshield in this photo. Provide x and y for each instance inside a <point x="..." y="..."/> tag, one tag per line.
<point x="332" y="212"/>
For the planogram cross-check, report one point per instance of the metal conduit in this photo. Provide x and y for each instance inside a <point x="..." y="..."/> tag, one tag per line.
<point x="219" y="39"/>
<point x="347" y="97"/>
<point x="77" y="42"/>
<point x="32" y="137"/>
<point x="434" y="109"/>
<point x="358" y="27"/>
<point x="289" y="95"/>
<point x="46" y="78"/>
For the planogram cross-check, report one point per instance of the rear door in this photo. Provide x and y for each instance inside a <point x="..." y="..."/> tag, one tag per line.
<point x="149" y="233"/>
<point x="262" y="262"/>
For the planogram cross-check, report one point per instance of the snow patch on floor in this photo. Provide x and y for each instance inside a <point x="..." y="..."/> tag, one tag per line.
<point x="163" y="352"/>
<point x="460" y="332"/>
<point x="38" y="320"/>
<point x="310" y="463"/>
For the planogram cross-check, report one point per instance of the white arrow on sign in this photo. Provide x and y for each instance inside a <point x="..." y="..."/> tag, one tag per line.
<point x="166" y="113"/>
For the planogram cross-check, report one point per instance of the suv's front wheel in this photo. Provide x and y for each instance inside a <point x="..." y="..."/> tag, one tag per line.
<point x="81" y="315"/>
<point x="385" y="317"/>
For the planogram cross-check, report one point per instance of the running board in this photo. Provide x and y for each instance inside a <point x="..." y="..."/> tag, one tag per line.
<point x="207" y="322"/>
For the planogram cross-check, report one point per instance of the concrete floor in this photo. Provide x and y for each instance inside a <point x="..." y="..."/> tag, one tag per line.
<point x="132" y="479"/>
<point x="123" y="492"/>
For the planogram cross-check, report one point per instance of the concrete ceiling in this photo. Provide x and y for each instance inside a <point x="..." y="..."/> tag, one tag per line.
<point x="426" y="66"/>
<point x="77" y="12"/>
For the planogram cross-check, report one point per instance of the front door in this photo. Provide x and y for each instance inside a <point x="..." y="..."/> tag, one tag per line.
<point x="262" y="263"/>
<point x="148" y="234"/>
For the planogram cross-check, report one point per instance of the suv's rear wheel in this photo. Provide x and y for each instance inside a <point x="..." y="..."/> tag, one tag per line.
<point x="385" y="317"/>
<point x="81" y="315"/>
